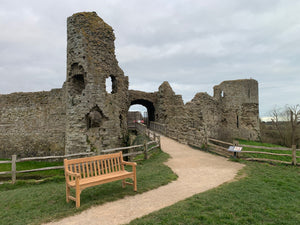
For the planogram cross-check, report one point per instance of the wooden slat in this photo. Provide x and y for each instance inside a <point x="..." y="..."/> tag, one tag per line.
<point x="156" y="146"/>
<point x="220" y="151"/>
<point x="222" y="142"/>
<point x="102" y="167"/>
<point x="54" y="157"/>
<point x="112" y="165"/>
<point x="41" y="169"/>
<point x="118" y="161"/>
<point x="5" y="172"/>
<point x="116" y="165"/>
<point x="105" y="167"/>
<point x="79" y="169"/>
<point x="267" y="153"/>
<point x="87" y="169"/>
<point x="83" y="170"/>
<point x="270" y="148"/>
<point x="93" y="158"/>
<point x="133" y="154"/>
<point x="98" y="166"/>
<point x="225" y="149"/>
<point x="267" y="160"/>
<point x="2" y="162"/>
<point x="120" y="149"/>
<point x="108" y="166"/>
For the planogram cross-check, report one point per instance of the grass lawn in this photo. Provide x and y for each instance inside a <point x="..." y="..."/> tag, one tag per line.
<point x="35" y="203"/>
<point x="33" y="175"/>
<point x="264" y="194"/>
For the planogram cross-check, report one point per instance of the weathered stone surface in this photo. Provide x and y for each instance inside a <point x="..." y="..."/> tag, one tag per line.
<point x="32" y="123"/>
<point x="95" y="119"/>
<point x="85" y="115"/>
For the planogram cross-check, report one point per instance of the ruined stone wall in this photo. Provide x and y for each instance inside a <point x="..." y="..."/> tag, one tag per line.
<point x="231" y="113"/>
<point x="169" y="106"/>
<point x="87" y="115"/>
<point x="96" y="118"/>
<point x="239" y="102"/>
<point x="32" y="124"/>
<point x="204" y="115"/>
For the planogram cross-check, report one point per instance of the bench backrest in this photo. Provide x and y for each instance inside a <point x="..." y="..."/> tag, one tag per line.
<point x="95" y="165"/>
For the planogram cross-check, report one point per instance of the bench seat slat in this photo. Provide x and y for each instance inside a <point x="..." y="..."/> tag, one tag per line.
<point x="92" y="181"/>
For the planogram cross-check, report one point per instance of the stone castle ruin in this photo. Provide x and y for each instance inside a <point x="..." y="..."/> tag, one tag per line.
<point x="85" y="115"/>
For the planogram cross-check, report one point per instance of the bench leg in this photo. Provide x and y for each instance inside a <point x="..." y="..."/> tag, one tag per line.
<point x="77" y="197"/>
<point x="123" y="183"/>
<point x="134" y="179"/>
<point x="67" y="193"/>
<point x="134" y="183"/>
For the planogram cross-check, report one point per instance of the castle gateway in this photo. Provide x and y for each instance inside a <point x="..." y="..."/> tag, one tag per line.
<point x="85" y="115"/>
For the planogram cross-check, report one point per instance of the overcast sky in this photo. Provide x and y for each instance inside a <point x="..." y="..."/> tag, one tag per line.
<point x="192" y="44"/>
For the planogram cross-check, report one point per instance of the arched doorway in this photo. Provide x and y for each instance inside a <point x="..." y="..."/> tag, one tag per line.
<point x="149" y="108"/>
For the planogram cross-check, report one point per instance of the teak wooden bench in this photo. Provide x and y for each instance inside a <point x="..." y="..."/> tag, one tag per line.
<point x="91" y="171"/>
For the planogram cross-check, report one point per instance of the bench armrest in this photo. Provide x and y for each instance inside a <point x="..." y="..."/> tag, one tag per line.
<point x="129" y="163"/>
<point x="72" y="174"/>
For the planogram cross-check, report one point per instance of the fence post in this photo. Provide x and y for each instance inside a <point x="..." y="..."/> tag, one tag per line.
<point x="131" y="157"/>
<point x="294" y="158"/>
<point x="145" y="150"/>
<point x="159" y="141"/>
<point x="154" y="136"/>
<point x="13" y="168"/>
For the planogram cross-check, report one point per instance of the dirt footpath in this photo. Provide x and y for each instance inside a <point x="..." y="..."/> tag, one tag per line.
<point x="197" y="172"/>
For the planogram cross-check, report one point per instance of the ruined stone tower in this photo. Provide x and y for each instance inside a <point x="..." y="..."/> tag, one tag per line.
<point x="240" y="109"/>
<point x="95" y="114"/>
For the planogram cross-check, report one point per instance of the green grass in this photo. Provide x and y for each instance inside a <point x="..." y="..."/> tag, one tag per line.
<point x="266" y="194"/>
<point x="32" y="165"/>
<point x="35" y="203"/>
<point x="264" y="156"/>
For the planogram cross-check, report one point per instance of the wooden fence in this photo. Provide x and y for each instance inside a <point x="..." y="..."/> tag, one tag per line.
<point x="289" y="152"/>
<point x="221" y="147"/>
<point x="131" y="151"/>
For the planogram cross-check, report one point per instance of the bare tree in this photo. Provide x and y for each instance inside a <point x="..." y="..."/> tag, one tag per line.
<point x="294" y="121"/>
<point x="286" y="121"/>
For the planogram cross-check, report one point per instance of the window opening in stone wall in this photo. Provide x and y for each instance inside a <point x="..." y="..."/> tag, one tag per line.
<point x="95" y="118"/>
<point x="111" y="84"/>
<point x="237" y="121"/>
<point x="222" y="94"/>
<point x="77" y="82"/>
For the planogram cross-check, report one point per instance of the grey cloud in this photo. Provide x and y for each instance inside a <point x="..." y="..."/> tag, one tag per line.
<point x="192" y="44"/>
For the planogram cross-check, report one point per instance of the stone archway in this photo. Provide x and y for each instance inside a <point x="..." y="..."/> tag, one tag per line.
<point x="149" y="106"/>
<point x="145" y="99"/>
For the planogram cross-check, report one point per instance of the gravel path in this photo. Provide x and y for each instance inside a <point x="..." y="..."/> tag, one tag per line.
<point x="197" y="172"/>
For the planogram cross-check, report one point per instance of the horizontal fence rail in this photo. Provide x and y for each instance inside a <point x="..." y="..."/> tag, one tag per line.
<point x="293" y="153"/>
<point x="220" y="147"/>
<point x="132" y="151"/>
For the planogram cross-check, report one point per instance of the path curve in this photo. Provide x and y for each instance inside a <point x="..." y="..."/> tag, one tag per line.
<point x="197" y="172"/>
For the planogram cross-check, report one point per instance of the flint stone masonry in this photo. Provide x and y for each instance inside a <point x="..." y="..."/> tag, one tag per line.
<point x="32" y="124"/>
<point x="95" y="119"/>
<point x="86" y="115"/>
